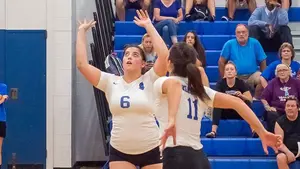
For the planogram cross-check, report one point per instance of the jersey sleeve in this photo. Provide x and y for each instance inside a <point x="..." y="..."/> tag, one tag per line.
<point x="158" y="85"/>
<point x="151" y="75"/>
<point x="105" y="78"/>
<point x="3" y="89"/>
<point x="211" y="94"/>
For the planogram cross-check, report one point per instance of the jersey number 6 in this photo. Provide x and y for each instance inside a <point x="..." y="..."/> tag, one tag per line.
<point x="195" y="103"/>
<point x="124" y="102"/>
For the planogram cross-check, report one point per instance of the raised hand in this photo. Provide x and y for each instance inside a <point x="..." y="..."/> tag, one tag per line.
<point x="85" y="25"/>
<point x="143" y="18"/>
<point x="270" y="140"/>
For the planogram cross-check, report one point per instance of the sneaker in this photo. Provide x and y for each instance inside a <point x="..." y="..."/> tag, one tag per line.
<point x="225" y="18"/>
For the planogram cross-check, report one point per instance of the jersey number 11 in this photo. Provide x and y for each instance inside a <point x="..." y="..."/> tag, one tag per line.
<point x="191" y="112"/>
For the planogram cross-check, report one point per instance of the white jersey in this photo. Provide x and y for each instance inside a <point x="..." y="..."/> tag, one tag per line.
<point x="134" y="128"/>
<point x="189" y="115"/>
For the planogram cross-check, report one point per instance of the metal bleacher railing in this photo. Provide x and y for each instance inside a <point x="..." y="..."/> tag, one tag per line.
<point x="103" y="35"/>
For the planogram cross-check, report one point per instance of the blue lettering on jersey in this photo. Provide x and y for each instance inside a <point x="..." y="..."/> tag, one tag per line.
<point x="195" y="103"/>
<point x="124" y="102"/>
<point x="185" y="88"/>
<point x="141" y="85"/>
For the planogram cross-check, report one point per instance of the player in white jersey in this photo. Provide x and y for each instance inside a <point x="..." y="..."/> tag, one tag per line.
<point x="135" y="134"/>
<point x="180" y="102"/>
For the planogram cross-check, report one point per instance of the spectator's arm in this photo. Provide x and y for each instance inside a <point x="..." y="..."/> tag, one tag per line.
<point x="247" y="96"/>
<point x="221" y="63"/>
<point x="278" y="130"/>
<point x="180" y="15"/>
<point x="255" y="18"/>
<point x="266" y="104"/>
<point x="260" y="55"/>
<point x="158" y="17"/>
<point x="263" y="82"/>
<point x="263" y="65"/>
<point x="283" y="17"/>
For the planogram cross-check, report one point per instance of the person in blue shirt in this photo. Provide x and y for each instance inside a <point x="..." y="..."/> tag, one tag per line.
<point x="246" y="53"/>
<point x="167" y="14"/>
<point x="3" y="98"/>
<point x="287" y="55"/>
<point x="269" y="25"/>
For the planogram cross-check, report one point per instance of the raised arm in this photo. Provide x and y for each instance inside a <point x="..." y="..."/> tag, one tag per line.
<point x="226" y="101"/>
<point x="161" y="49"/>
<point x="91" y="73"/>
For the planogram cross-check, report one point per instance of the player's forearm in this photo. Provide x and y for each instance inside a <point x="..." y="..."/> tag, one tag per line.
<point x="81" y="51"/>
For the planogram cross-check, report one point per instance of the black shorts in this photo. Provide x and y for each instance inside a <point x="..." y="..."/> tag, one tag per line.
<point x="2" y="129"/>
<point x="141" y="160"/>
<point x="184" y="157"/>
<point x="134" y="5"/>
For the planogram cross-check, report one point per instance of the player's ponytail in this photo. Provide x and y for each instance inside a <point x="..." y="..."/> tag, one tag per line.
<point x="183" y="57"/>
<point x="195" y="85"/>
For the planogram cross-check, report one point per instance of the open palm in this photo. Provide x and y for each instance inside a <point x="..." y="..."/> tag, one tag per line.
<point x="86" y="25"/>
<point x="169" y="131"/>
<point x="143" y="18"/>
<point x="271" y="140"/>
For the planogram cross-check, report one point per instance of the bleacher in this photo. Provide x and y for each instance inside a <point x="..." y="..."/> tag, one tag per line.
<point x="233" y="147"/>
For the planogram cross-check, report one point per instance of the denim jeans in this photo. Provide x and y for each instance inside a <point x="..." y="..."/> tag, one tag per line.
<point x="171" y="27"/>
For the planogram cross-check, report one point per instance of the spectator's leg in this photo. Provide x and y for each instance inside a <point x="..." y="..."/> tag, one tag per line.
<point x="282" y="161"/>
<point x="171" y="28"/>
<point x="286" y="4"/>
<point x="251" y="5"/>
<point x="285" y="34"/>
<point x="217" y="113"/>
<point x="211" y="5"/>
<point x="188" y="6"/>
<point x="271" y="120"/>
<point x="145" y="4"/>
<point x="257" y="33"/>
<point x="231" y="9"/>
<point x="120" y="8"/>
<point x="254" y="82"/>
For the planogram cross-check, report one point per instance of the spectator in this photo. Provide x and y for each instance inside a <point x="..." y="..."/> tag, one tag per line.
<point x="269" y="25"/>
<point x="148" y="49"/>
<point x="121" y="5"/>
<point x="285" y="4"/>
<point x="276" y="92"/>
<point x="232" y="6"/>
<point x="233" y="86"/>
<point x="287" y="55"/>
<point x="3" y="98"/>
<point x="200" y="10"/>
<point x="167" y="13"/>
<point x="192" y="39"/>
<point x="288" y="126"/>
<point x="245" y="52"/>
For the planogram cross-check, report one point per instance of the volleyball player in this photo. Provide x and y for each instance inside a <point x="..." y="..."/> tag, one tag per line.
<point x="3" y="98"/>
<point x="135" y="134"/>
<point x="184" y="97"/>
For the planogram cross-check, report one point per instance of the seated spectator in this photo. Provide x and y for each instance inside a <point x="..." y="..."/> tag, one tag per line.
<point x="200" y="10"/>
<point x="276" y="92"/>
<point x="288" y="126"/>
<point x="285" y="4"/>
<point x="148" y="49"/>
<point x="167" y="13"/>
<point x="287" y="55"/>
<point x="269" y="25"/>
<point x="245" y="52"/>
<point x="121" y="5"/>
<point x="232" y="7"/>
<point x="233" y="86"/>
<point x="192" y="39"/>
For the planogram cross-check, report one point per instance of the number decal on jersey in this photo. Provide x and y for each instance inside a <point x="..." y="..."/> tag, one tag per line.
<point x="124" y="102"/>
<point x="191" y="112"/>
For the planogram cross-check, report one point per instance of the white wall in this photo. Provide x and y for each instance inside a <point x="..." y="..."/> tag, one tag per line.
<point x="59" y="57"/>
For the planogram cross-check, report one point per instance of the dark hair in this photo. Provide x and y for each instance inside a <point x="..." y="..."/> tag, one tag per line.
<point x="231" y="63"/>
<point x="292" y="98"/>
<point x="198" y="47"/>
<point x="183" y="57"/>
<point x="142" y="53"/>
